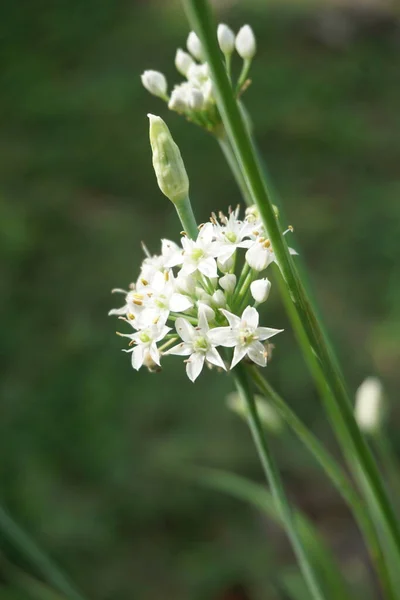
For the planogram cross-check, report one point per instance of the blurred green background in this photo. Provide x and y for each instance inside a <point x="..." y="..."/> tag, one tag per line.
<point x="86" y="443"/>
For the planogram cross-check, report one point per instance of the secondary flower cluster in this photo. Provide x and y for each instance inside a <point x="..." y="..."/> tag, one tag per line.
<point x="195" y="97"/>
<point x="202" y="295"/>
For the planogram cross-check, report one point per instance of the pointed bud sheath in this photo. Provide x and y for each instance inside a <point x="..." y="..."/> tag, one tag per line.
<point x="228" y="282"/>
<point x="183" y="62"/>
<point x="194" y="46"/>
<point x="196" y="100"/>
<point x="260" y="289"/>
<point x="369" y="408"/>
<point x="246" y="43"/>
<point x="168" y="165"/>
<point x="226" y="39"/>
<point x="155" y="83"/>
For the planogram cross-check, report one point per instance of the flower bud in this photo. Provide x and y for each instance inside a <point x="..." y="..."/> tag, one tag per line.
<point x="183" y="62"/>
<point x="194" y="46"/>
<point x="195" y="100"/>
<point x="227" y="265"/>
<point x="228" y="282"/>
<point x="208" y="311"/>
<point x="168" y="165"/>
<point x="246" y="43"/>
<point x="218" y="299"/>
<point x="260" y="289"/>
<point x="208" y="91"/>
<point x="369" y="406"/>
<point x="178" y="100"/>
<point x="226" y="38"/>
<point x="155" y="83"/>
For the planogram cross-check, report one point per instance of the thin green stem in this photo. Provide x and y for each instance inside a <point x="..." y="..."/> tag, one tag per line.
<point x="336" y="475"/>
<point x="262" y="499"/>
<point x="28" y="548"/>
<point x="186" y="217"/>
<point x="275" y="483"/>
<point x="320" y="358"/>
<point x="243" y="74"/>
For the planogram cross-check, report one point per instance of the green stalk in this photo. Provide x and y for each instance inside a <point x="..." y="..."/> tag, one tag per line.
<point x="336" y="475"/>
<point x="320" y="358"/>
<point x="275" y="483"/>
<point x="28" y="548"/>
<point x="186" y="217"/>
<point x="258" y="496"/>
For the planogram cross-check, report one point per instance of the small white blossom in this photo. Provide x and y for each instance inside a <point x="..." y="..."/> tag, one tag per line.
<point x="260" y="289"/>
<point x="231" y="235"/>
<point x="244" y="335"/>
<point x="197" y="345"/>
<point x="194" y="46"/>
<point x="369" y="407"/>
<point x="246" y="43"/>
<point x="228" y="282"/>
<point x="155" y="83"/>
<point x="226" y="38"/>
<point x="200" y="255"/>
<point x="146" y="344"/>
<point x="196" y="99"/>
<point x="183" y="62"/>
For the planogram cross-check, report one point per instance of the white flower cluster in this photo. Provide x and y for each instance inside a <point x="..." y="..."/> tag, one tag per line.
<point x="195" y="98"/>
<point x="197" y="297"/>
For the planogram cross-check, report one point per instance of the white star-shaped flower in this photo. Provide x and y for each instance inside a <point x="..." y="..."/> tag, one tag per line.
<point x="197" y="345"/>
<point x="200" y="255"/>
<point x="231" y="235"/>
<point x="244" y="335"/>
<point x="145" y="344"/>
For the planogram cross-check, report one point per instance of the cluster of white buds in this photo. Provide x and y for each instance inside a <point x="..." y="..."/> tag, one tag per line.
<point x="202" y="295"/>
<point x="194" y="98"/>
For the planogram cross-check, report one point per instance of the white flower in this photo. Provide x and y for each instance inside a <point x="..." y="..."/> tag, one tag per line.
<point x="260" y="289"/>
<point x="369" y="405"/>
<point x="260" y="254"/>
<point x="230" y="235"/>
<point x="200" y="255"/>
<point x="194" y="46"/>
<point x="228" y="282"/>
<point x="155" y="83"/>
<point x="163" y="297"/>
<point x="183" y="61"/>
<point x="246" y="43"/>
<point x="146" y="344"/>
<point x="226" y="38"/>
<point x="244" y="335"/>
<point x="197" y="345"/>
<point x="195" y="100"/>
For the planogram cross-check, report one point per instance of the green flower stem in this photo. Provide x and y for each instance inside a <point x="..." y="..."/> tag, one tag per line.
<point x="320" y="358"/>
<point x="336" y="475"/>
<point x="243" y="74"/>
<point x="28" y="548"/>
<point x="186" y="217"/>
<point x="275" y="483"/>
<point x="258" y="496"/>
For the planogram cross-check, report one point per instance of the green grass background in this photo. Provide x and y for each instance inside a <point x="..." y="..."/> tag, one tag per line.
<point x="86" y="444"/>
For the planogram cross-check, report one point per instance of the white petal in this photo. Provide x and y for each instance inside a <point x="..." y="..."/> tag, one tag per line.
<point x="181" y="349"/>
<point x="225" y="253"/>
<point x="203" y="323"/>
<point x="138" y="356"/>
<point x="179" y="302"/>
<point x="185" y="330"/>
<point x="234" y="320"/>
<point x="208" y="267"/>
<point x="291" y="251"/>
<point x="206" y="234"/>
<point x="239" y="353"/>
<point x="214" y="358"/>
<point x="251" y="317"/>
<point x="194" y="365"/>
<point x="119" y="311"/>
<point x="161" y="332"/>
<point x="256" y="352"/>
<point x="222" y="336"/>
<point x="263" y="333"/>
<point x="228" y="282"/>
<point x="258" y="257"/>
<point x="154" y="353"/>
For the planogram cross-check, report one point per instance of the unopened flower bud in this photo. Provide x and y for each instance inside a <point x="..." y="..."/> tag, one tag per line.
<point x="155" y="83"/>
<point x="208" y="311"/>
<point x="226" y="38"/>
<point x="194" y="46"/>
<point x="178" y="101"/>
<point x="183" y="62"/>
<point x="227" y="266"/>
<point x="228" y="282"/>
<point x="260" y="289"/>
<point x="369" y="408"/>
<point x="195" y="100"/>
<point x="168" y="165"/>
<point x="246" y="43"/>
<point x="218" y="299"/>
<point x="252" y="214"/>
